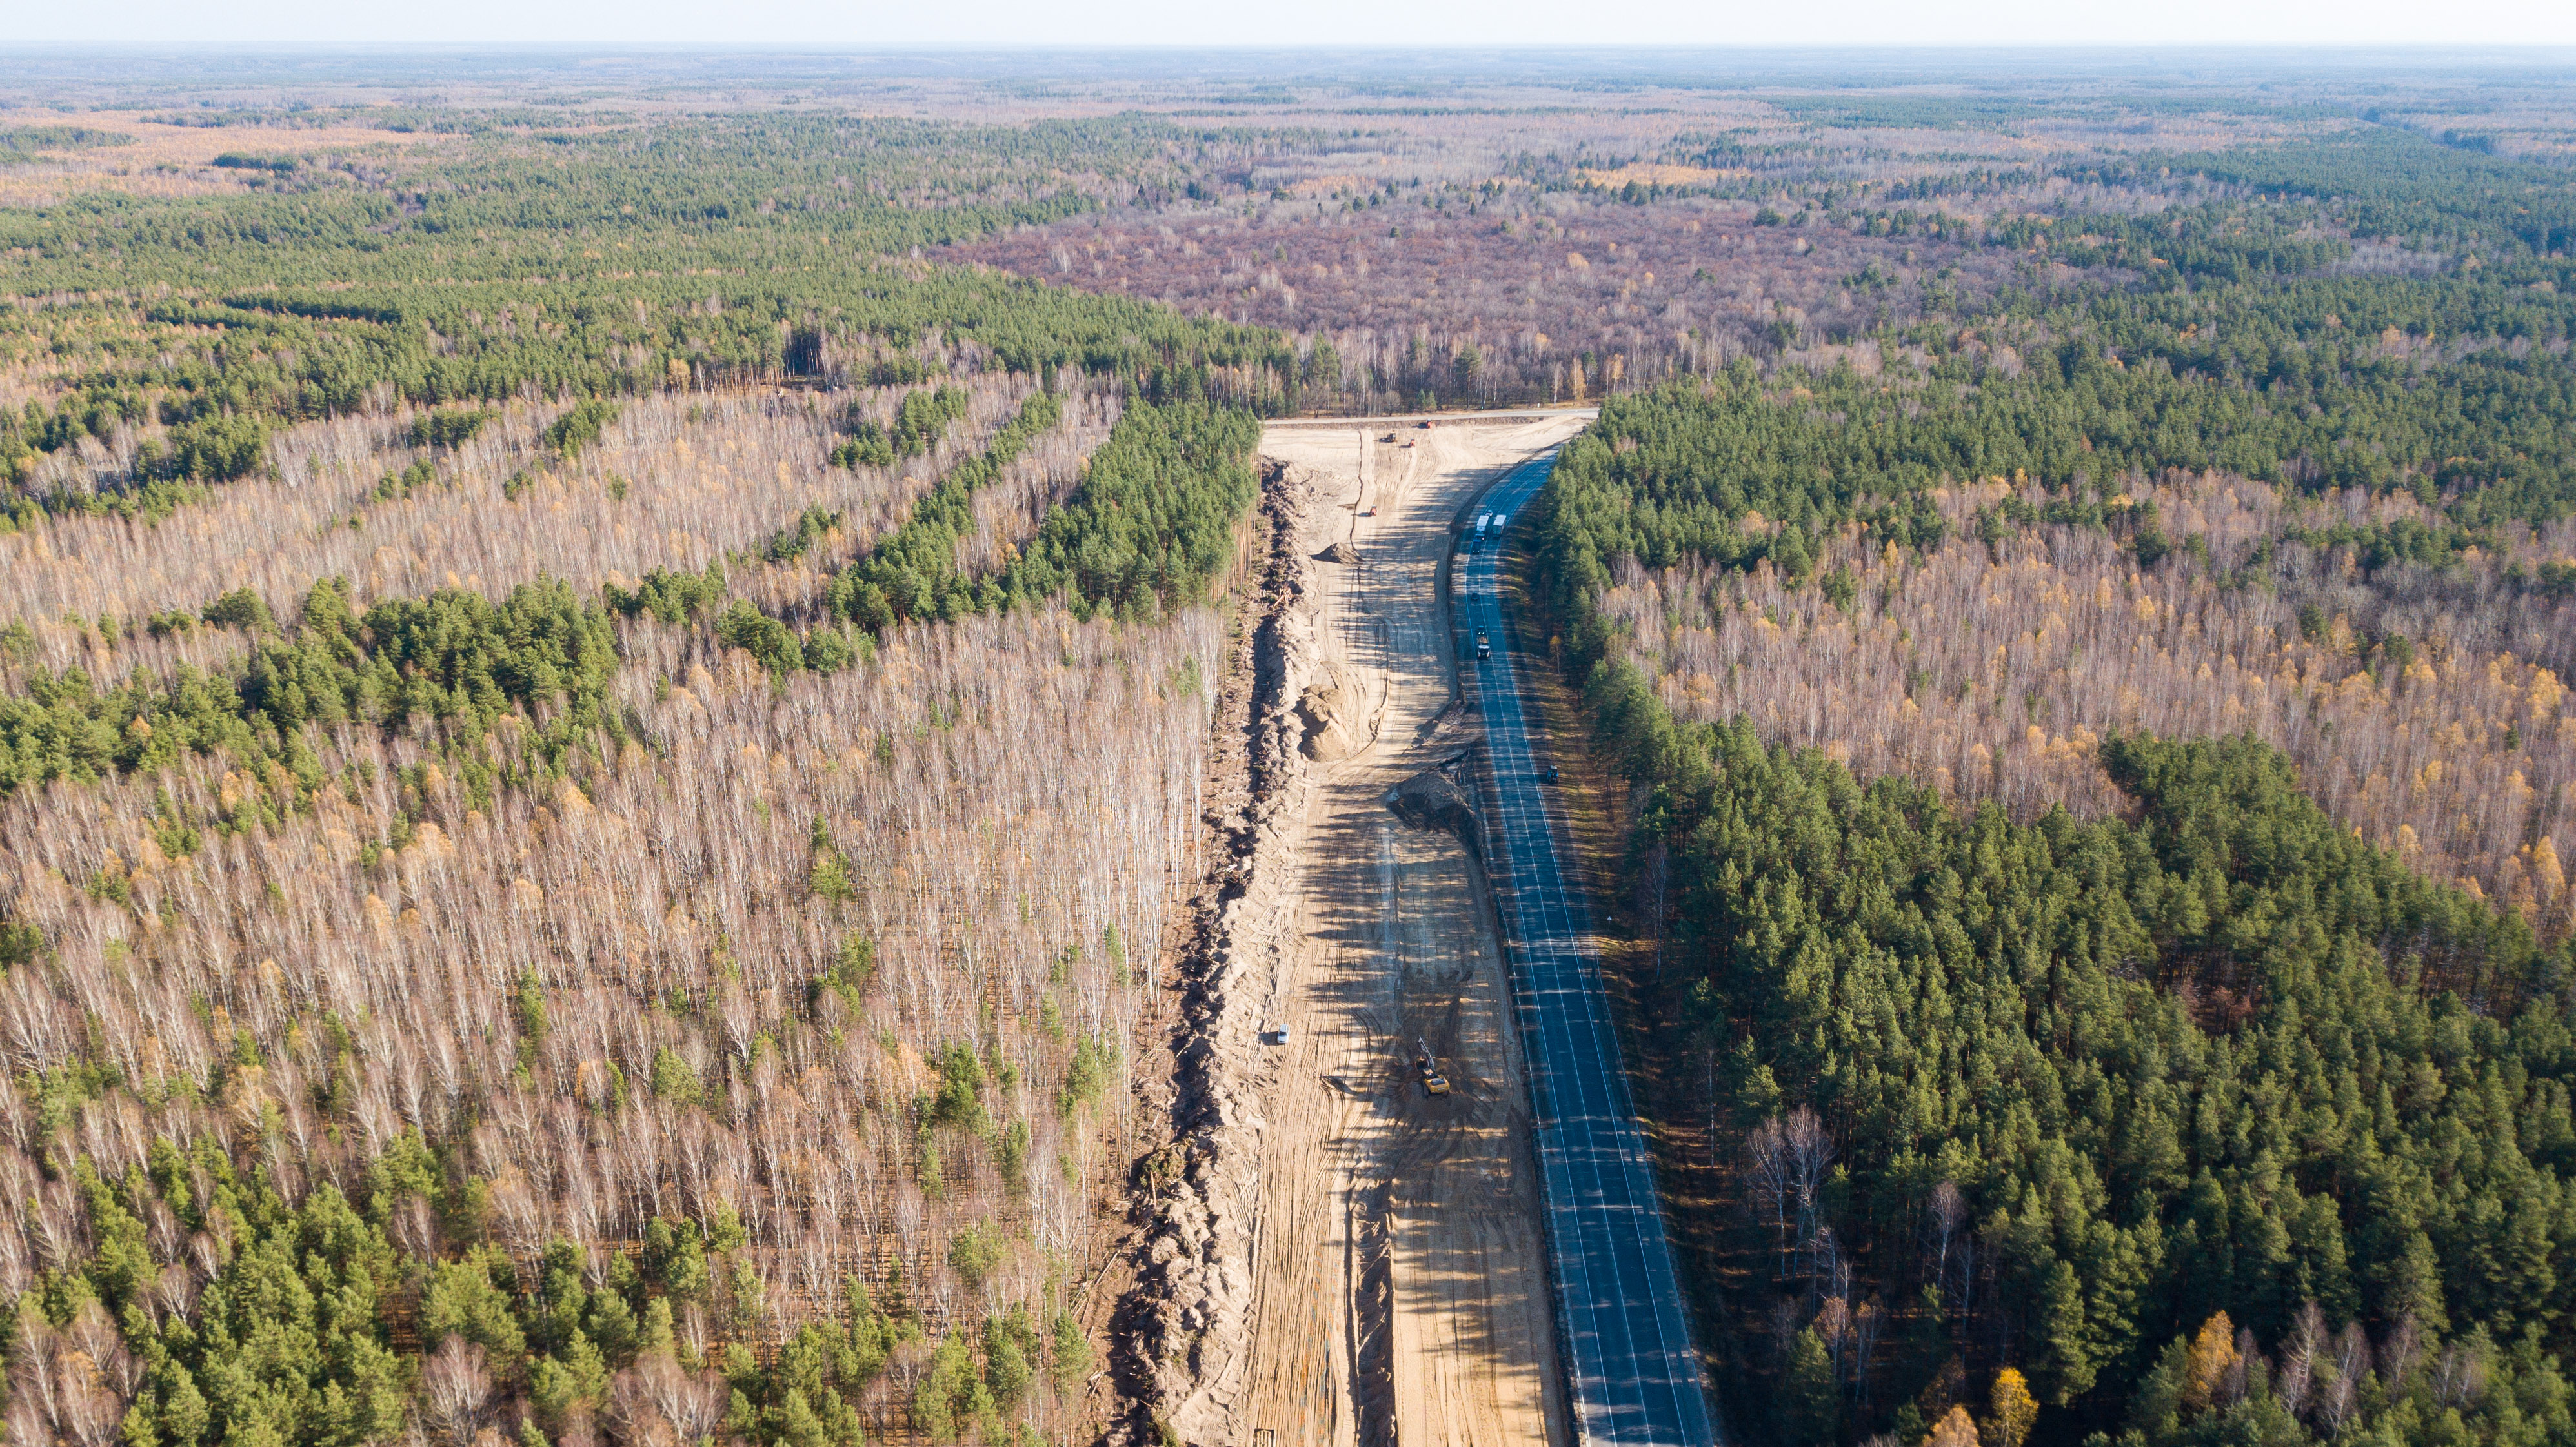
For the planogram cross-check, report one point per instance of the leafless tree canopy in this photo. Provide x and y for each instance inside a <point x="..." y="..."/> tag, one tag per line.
<point x="2007" y="666"/>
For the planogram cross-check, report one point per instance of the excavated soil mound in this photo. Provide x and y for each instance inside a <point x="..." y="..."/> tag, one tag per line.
<point x="1181" y="1329"/>
<point x="1338" y="553"/>
<point x="1433" y="800"/>
<point x="1322" y="710"/>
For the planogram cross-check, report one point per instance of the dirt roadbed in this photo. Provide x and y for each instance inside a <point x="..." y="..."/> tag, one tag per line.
<point x="1398" y="1279"/>
<point x="1328" y="1251"/>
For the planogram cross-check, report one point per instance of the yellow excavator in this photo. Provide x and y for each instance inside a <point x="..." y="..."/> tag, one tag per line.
<point x="1433" y="1082"/>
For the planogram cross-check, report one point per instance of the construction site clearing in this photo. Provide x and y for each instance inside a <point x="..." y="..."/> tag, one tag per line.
<point x="1398" y="1282"/>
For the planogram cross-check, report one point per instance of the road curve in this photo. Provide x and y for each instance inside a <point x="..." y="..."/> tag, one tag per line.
<point x="1623" y="1325"/>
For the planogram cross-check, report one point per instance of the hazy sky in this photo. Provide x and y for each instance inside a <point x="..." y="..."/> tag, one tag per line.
<point x="1371" y="23"/>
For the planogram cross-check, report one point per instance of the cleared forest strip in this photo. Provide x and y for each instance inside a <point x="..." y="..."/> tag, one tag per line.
<point x="1358" y="938"/>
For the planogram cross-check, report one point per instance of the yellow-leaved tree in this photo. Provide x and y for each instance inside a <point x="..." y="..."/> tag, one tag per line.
<point x="1955" y="1429"/>
<point x="2212" y="1365"/>
<point x="2015" y="1409"/>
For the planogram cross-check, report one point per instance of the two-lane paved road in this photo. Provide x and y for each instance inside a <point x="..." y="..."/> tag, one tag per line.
<point x="1623" y="1324"/>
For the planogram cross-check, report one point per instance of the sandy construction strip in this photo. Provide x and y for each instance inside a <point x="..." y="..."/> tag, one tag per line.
<point x="1399" y="1280"/>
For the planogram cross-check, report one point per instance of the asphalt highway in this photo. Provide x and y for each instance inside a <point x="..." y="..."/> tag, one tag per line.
<point x="1624" y="1328"/>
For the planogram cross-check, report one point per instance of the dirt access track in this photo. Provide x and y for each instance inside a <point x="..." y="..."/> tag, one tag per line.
<point x="1398" y="1285"/>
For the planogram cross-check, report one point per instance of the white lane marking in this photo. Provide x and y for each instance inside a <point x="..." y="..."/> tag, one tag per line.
<point x="1556" y="908"/>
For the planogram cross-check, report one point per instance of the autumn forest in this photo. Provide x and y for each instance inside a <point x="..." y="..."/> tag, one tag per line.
<point x="609" y="682"/>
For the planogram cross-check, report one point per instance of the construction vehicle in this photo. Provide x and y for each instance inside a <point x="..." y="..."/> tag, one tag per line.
<point x="1484" y="647"/>
<point x="1433" y="1082"/>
